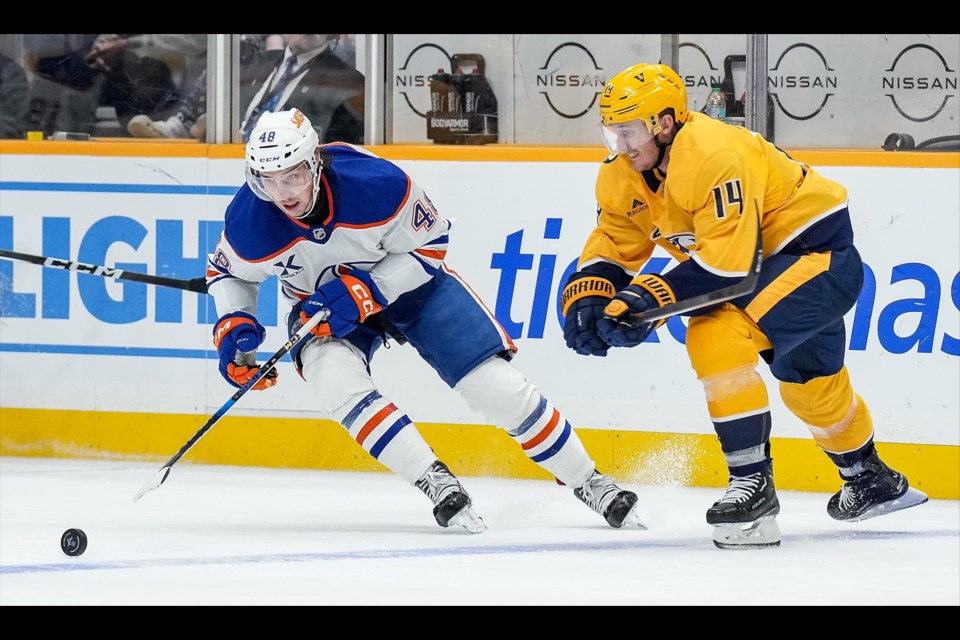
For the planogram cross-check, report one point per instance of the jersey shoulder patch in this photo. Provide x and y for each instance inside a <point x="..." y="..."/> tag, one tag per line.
<point x="368" y="190"/>
<point x="255" y="228"/>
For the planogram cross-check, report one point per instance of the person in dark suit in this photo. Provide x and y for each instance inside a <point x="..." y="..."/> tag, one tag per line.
<point x="311" y="77"/>
<point x="113" y="76"/>
<point x="190" y="120"/>
<point x="13" y="99"/>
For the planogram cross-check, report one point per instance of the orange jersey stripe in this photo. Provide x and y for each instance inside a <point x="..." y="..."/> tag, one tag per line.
<point x="431" y="253"/>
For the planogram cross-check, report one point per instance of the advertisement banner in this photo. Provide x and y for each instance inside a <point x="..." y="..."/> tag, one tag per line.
<point x="84" y="342"/>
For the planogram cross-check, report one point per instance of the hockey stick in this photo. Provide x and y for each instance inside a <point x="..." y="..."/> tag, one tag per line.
<point x="741" y="288"/>
<point x="301" y="333"/>
<point x="197" y="285"/>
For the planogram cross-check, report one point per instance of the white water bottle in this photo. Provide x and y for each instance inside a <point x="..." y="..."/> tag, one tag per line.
<point x="716" y="106"/>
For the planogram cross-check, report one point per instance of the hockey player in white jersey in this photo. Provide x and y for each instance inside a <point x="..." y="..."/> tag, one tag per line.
<point x="351" y="234"/>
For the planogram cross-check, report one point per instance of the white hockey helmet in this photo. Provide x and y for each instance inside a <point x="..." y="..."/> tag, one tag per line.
<point x="281" y="141"/>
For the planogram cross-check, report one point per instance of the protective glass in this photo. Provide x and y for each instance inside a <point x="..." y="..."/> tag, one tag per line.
<point x="624" y="137"/>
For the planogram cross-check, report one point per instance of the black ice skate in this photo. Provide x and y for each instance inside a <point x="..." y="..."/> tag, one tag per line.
<point x="745" y="517"/>
<point x="874" y="491"/>
<point x="453" y="506"/>
<point x="616" y="505"/>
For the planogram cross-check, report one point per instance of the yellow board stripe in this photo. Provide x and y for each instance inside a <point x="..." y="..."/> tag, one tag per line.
<point x="479" y="450"/>
<point x="102" y="148"/>
<point x="479" y="153"/>
<point x="856" y="158"/>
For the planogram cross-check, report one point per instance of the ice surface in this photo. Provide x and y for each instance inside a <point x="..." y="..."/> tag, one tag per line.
<point x="239" y="535"/>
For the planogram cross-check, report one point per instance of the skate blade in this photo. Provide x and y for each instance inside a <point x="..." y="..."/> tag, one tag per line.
<point x="911" y="498"/>
<point x="759" y="534"/>
<point x="468" y="520"/>
<point x="633" y="521"/>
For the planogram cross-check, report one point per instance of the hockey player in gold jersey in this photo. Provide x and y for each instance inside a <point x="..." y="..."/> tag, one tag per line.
<point x="702" y="190"/>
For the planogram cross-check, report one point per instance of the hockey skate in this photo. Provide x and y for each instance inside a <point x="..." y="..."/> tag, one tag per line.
<point x="745" y="517"/>
<point x="617" y="506"/>
<point x="874" y="491"/>
<point x="452" y="504"/>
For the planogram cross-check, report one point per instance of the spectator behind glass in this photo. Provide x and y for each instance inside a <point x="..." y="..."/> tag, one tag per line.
<point x="185" y="54"/>
<point x="323" y="86"/>
<point x="13" y="99"/>
<point x="115" y="77"/>
<point x="52" y="104"/>
<point x="191" y="118"/>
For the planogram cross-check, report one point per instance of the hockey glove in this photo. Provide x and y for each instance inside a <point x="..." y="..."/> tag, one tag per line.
<point x="236" y="337"/>
<point x="646" y="291"/>
<point x="351" y="299"/>
<point x="583" y="301"/>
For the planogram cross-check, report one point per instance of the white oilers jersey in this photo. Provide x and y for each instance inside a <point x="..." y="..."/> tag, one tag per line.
<point x="378" y="219"/>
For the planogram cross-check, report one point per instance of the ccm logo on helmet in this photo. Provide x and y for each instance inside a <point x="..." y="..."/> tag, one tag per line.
<point x="273" y="159"/>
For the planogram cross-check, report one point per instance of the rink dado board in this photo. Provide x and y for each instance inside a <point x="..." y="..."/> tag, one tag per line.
<point x="94" y="367"/>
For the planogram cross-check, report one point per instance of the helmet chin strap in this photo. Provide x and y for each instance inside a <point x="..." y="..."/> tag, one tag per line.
<point x="662" y="146"/>
<point x="662" y="150"/>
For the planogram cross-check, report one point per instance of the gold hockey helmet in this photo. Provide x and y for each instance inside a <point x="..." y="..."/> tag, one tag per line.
<point x="644" y="91"/>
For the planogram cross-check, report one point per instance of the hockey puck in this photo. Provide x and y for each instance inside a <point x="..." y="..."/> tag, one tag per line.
<point x="73" y="542"/>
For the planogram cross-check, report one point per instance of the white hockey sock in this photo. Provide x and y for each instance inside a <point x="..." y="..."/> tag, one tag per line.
<point x="548" y="439"/>
<point x="344" y="391"/>
<point x="504" y="396"/>
<point x="387" y="434"/>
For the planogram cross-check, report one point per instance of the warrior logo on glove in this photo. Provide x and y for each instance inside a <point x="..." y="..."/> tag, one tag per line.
<point x="646" y="291"/>
<point x="627" y="299"/>
<point x="584" y="299"/>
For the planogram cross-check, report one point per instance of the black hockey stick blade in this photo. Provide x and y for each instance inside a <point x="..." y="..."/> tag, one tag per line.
<point x="741" y="288"/>
<point x="197" y="285"/>
<point x="161" y="475"/>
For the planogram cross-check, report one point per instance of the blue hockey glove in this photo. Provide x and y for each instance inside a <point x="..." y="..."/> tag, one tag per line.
<point x="646" y="291"/>
<point x="583" y="301"/>
<point x="351" y="299"/>
<point x="234" y="335"/>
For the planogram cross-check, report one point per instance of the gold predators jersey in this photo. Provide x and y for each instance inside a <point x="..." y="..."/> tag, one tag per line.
<point x="721" y="180"/>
